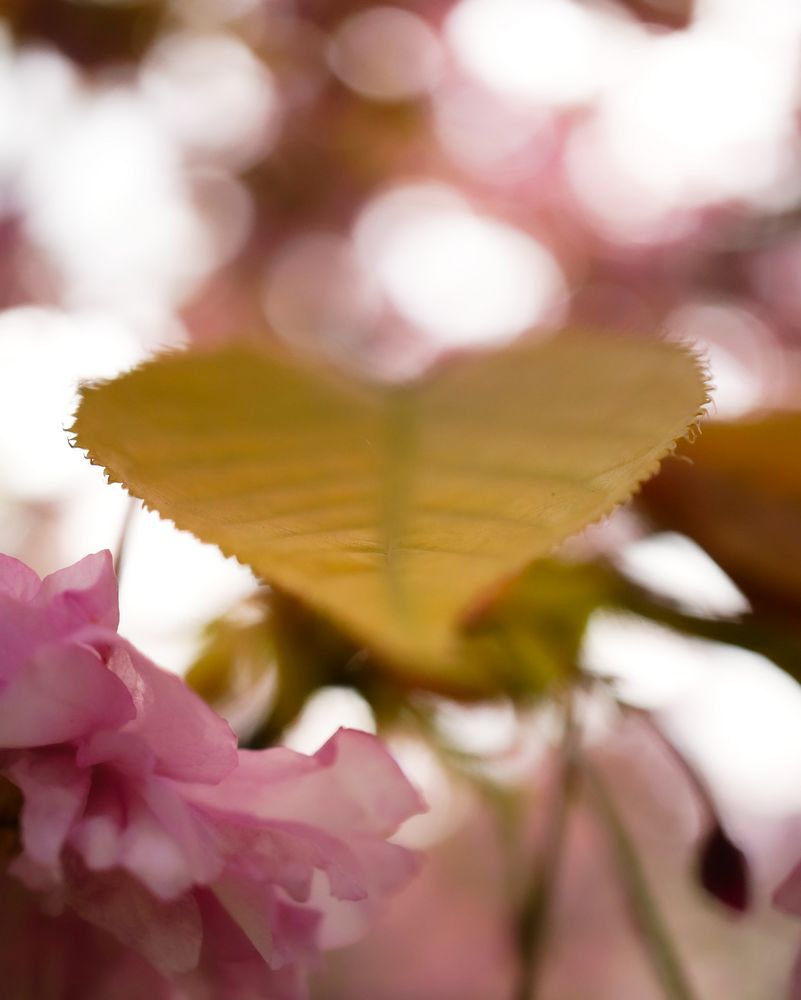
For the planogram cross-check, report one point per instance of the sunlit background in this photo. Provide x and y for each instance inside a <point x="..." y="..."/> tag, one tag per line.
<point x="382" y="185"/>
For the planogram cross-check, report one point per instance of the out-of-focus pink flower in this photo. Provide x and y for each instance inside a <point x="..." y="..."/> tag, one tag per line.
<point x="140" y="816"/>
<point x="787" y="898"/>
<point x="456" y="919"/>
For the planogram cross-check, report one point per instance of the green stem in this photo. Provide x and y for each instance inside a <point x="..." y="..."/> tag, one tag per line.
<point x="775" y="640"/>
<point x="124" y="535"/>
<point x="656" y="937"/>
<point x="700" y="789"/>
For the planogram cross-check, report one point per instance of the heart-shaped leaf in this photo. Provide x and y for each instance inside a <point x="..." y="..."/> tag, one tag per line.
<point x="392" y="510"/>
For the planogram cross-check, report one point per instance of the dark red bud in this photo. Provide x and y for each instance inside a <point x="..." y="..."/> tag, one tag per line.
<point x="723" y="871"/>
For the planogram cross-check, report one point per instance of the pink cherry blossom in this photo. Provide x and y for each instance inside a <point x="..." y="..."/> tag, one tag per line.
<point x="140" y="817"/>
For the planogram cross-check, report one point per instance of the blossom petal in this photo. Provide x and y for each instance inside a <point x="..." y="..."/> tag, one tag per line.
<point x="351" y="786"/>
<point x="787" y="897"/>
<point x="230" y="959"/>
<point x="64" y="692"/>
<point x="169" y="934"/>
<point x="58" y="956"/>
<point x="54" y="791"/>
<point x="120" y="831"/>
<point x="188" y="739"/>
<point x="17" y="581"/>
<point x="84" y="593"/>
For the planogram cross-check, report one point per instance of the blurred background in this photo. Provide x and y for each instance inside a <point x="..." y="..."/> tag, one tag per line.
<point x="382" y="185"/>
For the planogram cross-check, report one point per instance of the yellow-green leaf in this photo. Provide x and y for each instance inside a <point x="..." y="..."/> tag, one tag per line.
<point x="528" y="639"/>
<point x="393" y="510"/>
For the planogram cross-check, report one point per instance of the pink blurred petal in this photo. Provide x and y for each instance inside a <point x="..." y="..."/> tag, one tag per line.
<point x="787" y="897"/>
<point x="296" y="933"/>
<point x="351" y="784"/>
<point x="55" y="791"/>
<point x="84" y="593"/>
<point x="17" y="581"/>
<point x="288" y="854"/>
<point x="162" y="847"/>
<point x="369" y="778"/>
<point x="64" y="693"/>
<point x="248" y="905"/>
<point x="154" y="857"/>
<point x="127" y="751"/>
<point x="80" y="961"/>
<point x="384" y="870"/>
<point x="201" y="848"/>
<point x="281" y="932"/>
<point x="795" y="980"/>
<point x="168" y="934"/>
<point x="230" y="960"/>
<point x="188" y="739"/>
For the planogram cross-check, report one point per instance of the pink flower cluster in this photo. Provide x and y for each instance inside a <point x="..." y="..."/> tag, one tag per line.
<point x="206" y="871"/>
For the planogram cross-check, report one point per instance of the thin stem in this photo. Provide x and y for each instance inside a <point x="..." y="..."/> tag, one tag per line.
<point x="774" y="640"/>
<point x="699" y="786"/>
<point x="122" y="540"/>
<point x="537" y="906"/>
<point x="656" y="937"/>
